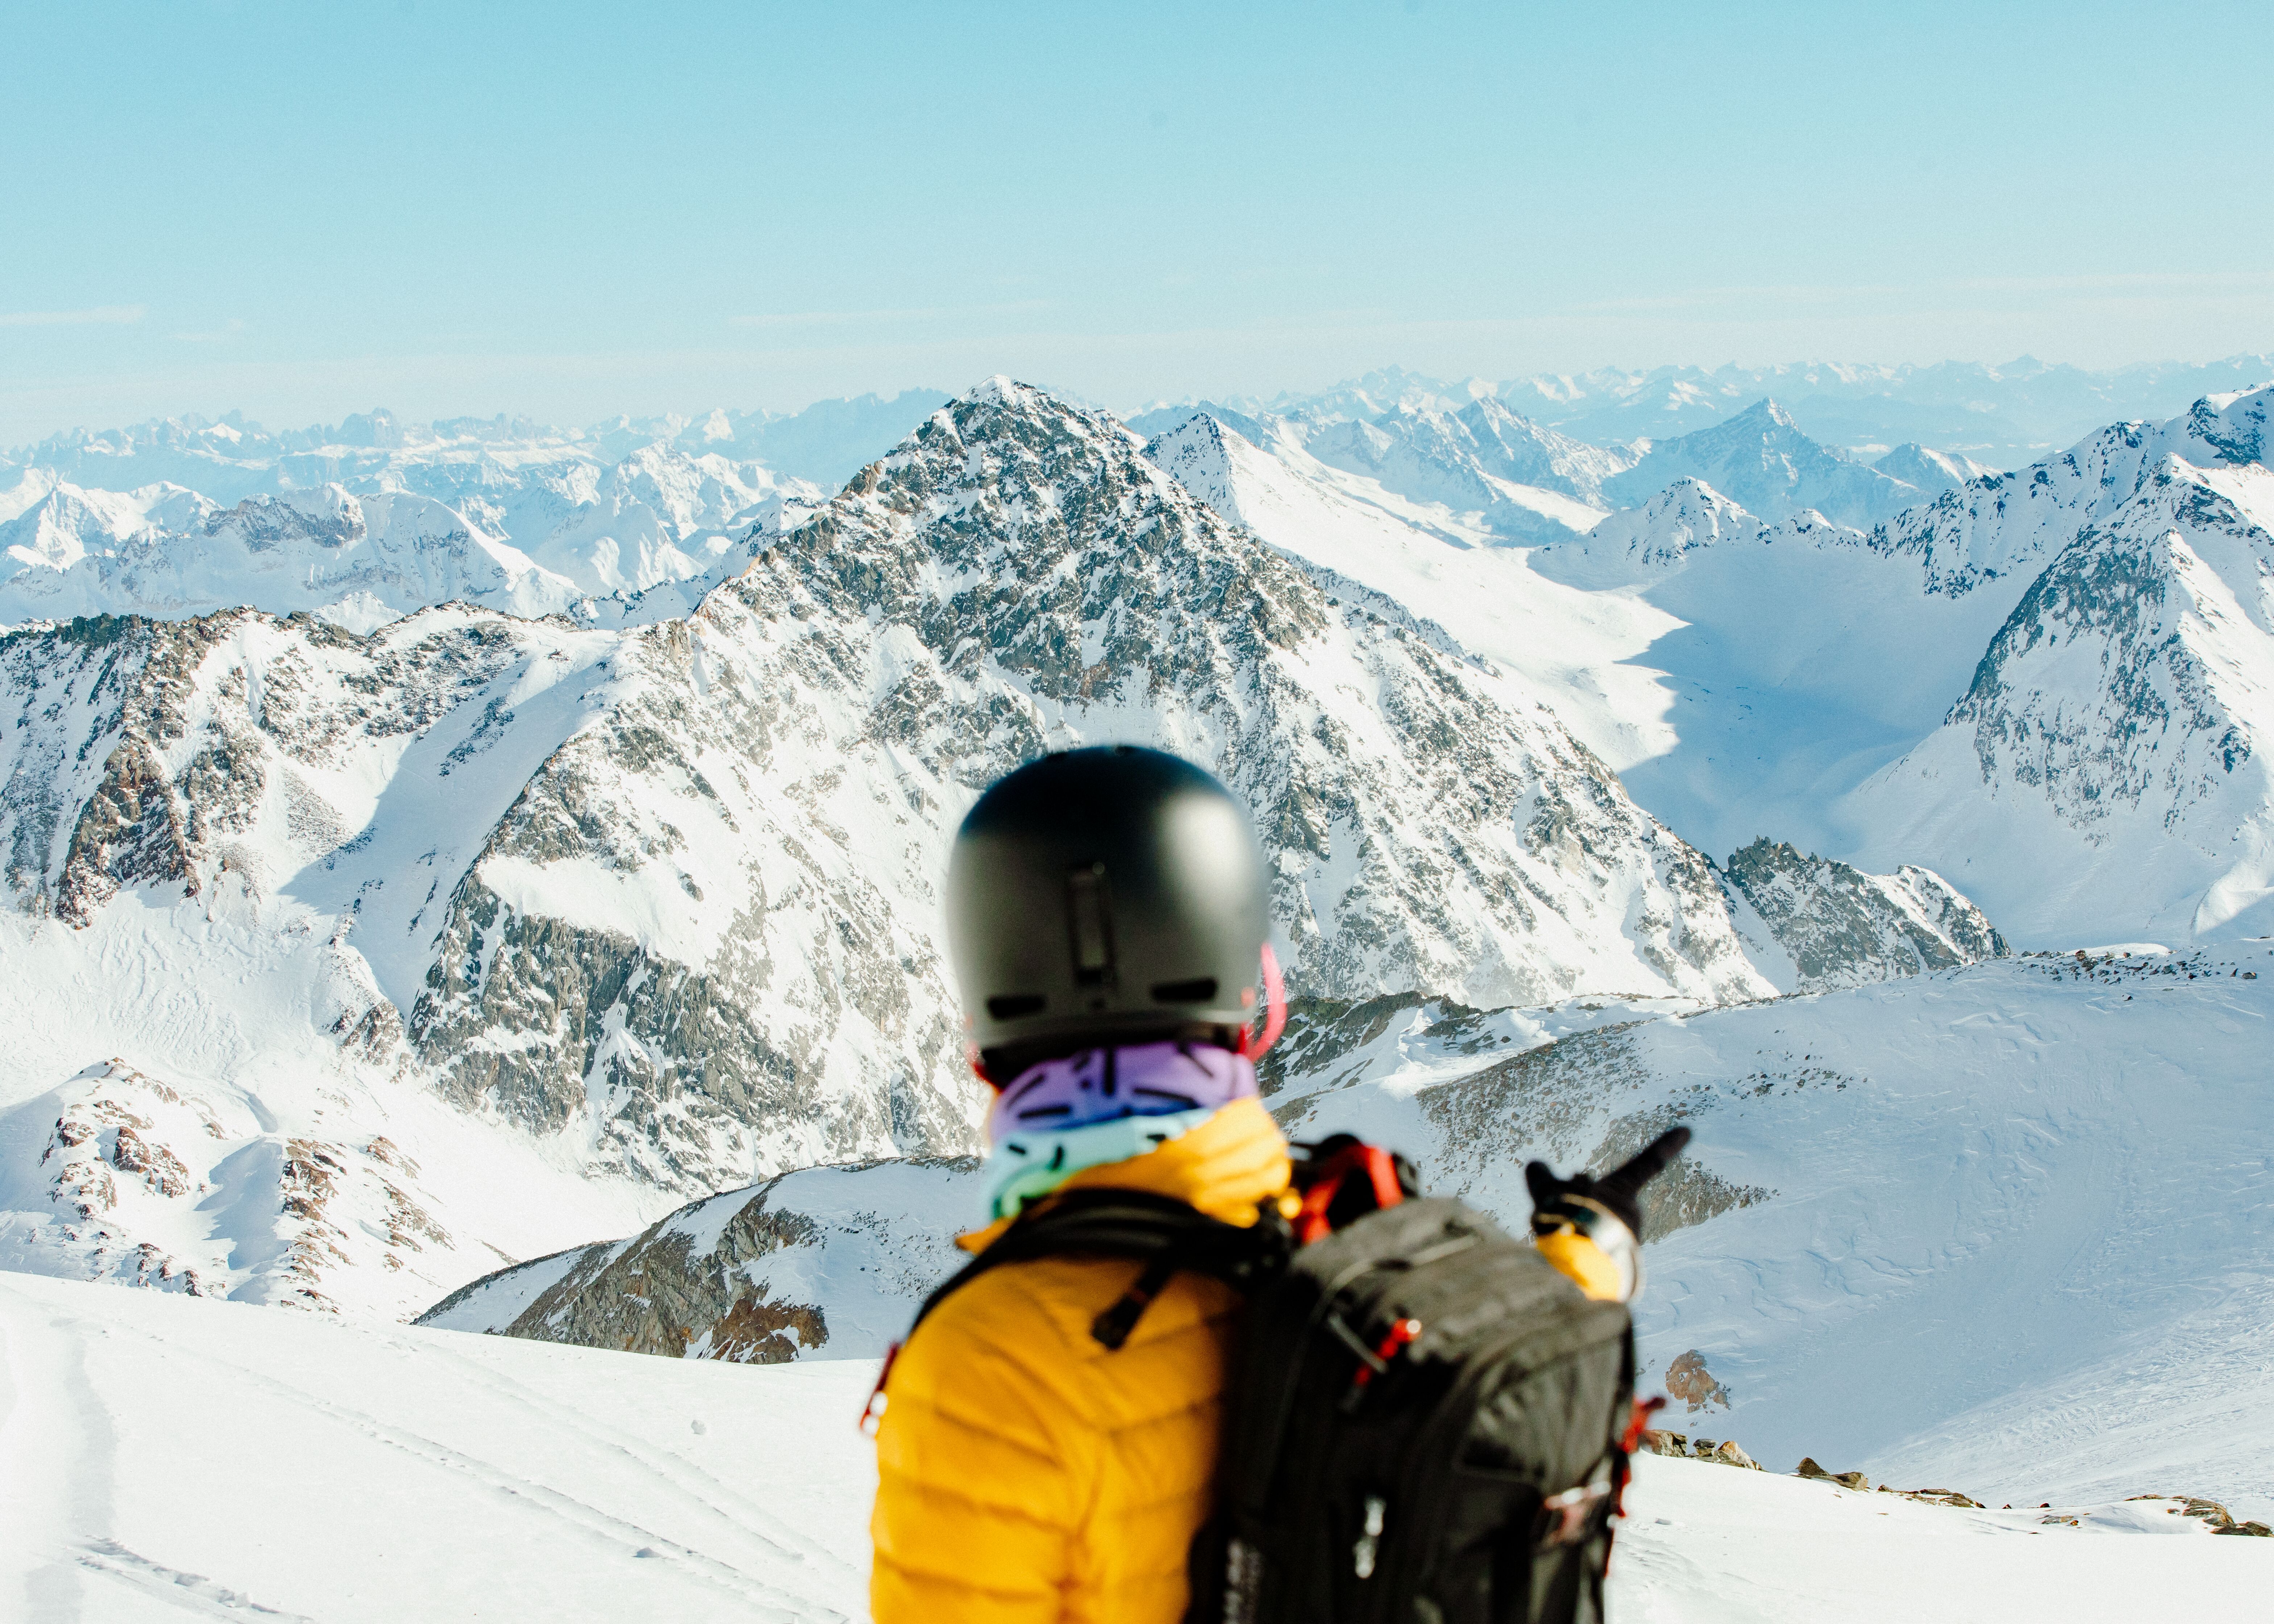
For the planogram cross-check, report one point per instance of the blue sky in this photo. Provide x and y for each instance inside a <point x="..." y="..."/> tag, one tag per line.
<point x="304" y="209"/>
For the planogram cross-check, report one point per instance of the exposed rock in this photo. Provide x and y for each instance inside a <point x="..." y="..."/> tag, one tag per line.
<point x="1687" y="1379"/>
<point x="1808" y="1468"/>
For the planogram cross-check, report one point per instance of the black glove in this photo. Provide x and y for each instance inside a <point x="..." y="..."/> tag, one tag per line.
<point x="1615" y="1192"/>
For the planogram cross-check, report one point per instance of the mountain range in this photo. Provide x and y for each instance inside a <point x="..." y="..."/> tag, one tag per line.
<point x="432" y="848"/>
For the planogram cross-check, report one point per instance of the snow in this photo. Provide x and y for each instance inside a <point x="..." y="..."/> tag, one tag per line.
<point x="1649" y="635"/>
<point x="157" y="1456"/>
<point x="2006" y="1228"/>
<point x="1706" y="1544"/>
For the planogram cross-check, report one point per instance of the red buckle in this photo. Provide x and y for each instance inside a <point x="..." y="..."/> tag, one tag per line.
<point x="1400" y="1337"/>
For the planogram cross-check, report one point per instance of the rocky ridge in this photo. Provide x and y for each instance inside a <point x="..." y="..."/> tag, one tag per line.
<point x="2004" y="525"/>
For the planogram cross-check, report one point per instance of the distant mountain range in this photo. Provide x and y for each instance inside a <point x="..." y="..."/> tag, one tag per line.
<point x="2002" y="417"/>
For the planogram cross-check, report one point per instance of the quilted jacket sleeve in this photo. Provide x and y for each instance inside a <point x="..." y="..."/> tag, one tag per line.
<point x="977" y="1502"/>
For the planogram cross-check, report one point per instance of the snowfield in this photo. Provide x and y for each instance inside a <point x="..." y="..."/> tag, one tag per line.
<point x="157" y="1453"/>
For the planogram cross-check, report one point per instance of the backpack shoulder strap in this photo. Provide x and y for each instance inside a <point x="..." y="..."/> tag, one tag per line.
<point x="1168" y="1233"/>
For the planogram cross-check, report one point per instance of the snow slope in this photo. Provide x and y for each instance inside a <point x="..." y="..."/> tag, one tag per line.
<point x="239" y="1148"/>
<point x="506" y="1481"/>
<point x="2002" y="1227"/>
<point x="162" y="1457"/>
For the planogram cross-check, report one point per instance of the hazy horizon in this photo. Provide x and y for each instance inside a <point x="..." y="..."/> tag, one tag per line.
<point x="296" y="212"/>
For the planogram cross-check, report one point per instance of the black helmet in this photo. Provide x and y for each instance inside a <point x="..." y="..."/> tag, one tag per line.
<point x="1110" y="895"/>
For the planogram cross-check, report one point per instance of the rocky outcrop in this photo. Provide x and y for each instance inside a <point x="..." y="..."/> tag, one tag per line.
<point x="1680" y="1446"/>
<point x="825" y="1258"/>
<point x="1808" y="1468"/>
<point x="1840" y="927"/>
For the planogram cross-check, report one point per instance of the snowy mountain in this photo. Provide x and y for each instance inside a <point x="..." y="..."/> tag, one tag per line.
<point x="626" y="521"/>
<point x="1928" y="470"/>
<point x="1480" y="470"/>
<point x="2106" y="765"/>
<point x="46" y="522"/>
<point x="1759" y="458"/>
<point x="1747" y="677"/>
<point x="1648" y="635"/>
<point x="1483" y="460"/>
<point x="2004" y="416"/>
<point x="359" y="561"/>
<point x="2011" y="524"/>
<point x="230" y="458"/>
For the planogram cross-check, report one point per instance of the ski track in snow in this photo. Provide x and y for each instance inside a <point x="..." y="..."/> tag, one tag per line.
<point x="527" y="1468"/>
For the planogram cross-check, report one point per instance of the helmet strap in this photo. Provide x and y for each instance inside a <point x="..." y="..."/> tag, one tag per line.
<point x="1274" y="1011"/>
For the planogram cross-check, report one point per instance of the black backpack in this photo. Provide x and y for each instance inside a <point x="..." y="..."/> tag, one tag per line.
<point x="1426" y="1423"/>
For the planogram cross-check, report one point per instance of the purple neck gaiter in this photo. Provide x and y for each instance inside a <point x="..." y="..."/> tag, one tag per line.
<point x="1099" y="1084"/>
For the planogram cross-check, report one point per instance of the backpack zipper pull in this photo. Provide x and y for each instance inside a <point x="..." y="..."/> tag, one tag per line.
<point x="1375" y="1361"/>
<point x="1362" y="1553"/>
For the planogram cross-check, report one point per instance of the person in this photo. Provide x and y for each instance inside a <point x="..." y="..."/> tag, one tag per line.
<point x="1107" y="923"/>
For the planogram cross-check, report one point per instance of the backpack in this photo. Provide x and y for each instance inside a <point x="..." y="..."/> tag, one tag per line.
<point x="1425" y="1422"/>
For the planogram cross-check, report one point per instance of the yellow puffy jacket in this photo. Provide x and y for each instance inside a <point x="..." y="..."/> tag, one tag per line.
<point x="1027" y="1476"/>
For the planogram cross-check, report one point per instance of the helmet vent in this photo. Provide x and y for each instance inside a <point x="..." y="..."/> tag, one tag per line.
<point x="1200" y="989"/>
<point x="1089" y="916"/>
<point x="1010" y="1007"/>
